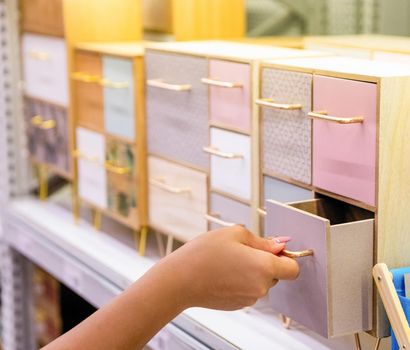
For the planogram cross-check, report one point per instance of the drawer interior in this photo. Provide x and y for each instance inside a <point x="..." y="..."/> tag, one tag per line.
<point x="337" y="212"/>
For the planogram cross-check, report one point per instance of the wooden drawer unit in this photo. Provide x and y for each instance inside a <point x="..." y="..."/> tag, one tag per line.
<point x="43" y="17"/>
<point x="177" y="107"/>
<point x="178" y="199"/>
<point x="286" y="132"/>
<point x="226" y="212"/>
<point x="47" y="134"/>
<point x="339" y="241"/>
<point x="88" y="92"/>
<point x="230" y="94"/>
<point x="45" y="68"/>
<point x="359" y="133"/>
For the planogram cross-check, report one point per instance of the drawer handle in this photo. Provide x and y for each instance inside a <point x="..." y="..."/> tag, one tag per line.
<point x="322" y="115"/>
<point x="86" y="78"/>
<point x="221" y="83"/>
<point x="261" y="212"/>
<point x="78" y="154"/>
<point x="268" y="102"/>
<point x="160" y="183"/>
<point x="113" y="84"/>
<point x="39" y="55"/>
<point x="295" y="255"/>
<point x="159" y="83"/>
<point x="215" y="220"/>
<point x="120" y="170"/>
<point x="216" y="152"/>
<point x="38" y="122"/>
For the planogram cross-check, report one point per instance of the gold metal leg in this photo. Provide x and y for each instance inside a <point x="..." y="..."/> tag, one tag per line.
<point x="357" y="341"/>
<point x="286" y="321"/>
<point x="377" y="345"/>
<point x="170" y="245"/>
<point x="42" y="178"/>
<point x="143" y="240"/>
<point x="75" y="202"/>
<point x="96" y="219"/>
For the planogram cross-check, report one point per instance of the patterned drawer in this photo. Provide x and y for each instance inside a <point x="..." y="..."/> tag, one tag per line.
<point x="88" y="93"/>
<point x="178" y="199"/>
<point x="230" y="94"/>
<point x="45" y="68"/>
<point x="230" y="163"/>
<point x="286" y="134"/>
<point x="43" y="17"/>
<point x="92" y="177"/>
<point x="119" y="111"/>
<point x="120" y="162"/>
<point x="47" y="133"/>
<point x="344" y="155"/>
<point x="177" y="107"/>
<point x="333" y="294"/>
<point x="226" y="212"/>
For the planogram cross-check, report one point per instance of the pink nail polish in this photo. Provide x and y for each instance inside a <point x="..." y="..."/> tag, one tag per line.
<point x="284" y="239"/>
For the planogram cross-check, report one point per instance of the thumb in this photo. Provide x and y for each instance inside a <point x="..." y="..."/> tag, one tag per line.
<point x="272" y="245"/>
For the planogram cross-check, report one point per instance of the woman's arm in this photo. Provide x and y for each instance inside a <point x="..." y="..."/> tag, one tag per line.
<point x="224" y="269"/>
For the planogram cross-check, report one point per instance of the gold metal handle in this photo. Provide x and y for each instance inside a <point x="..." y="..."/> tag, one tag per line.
<point x="261" y="212"/>
<point x="116" y="169"/>
<point x="160" y="183"/>
<point x="221" y="83"/>
<point x="215" y="220"/>
<point x="322" y="115"/>
<point x="78" y="154"/>
<point x="295" y="255"/>
<point x="37" y="120"/>
<point x="113" y="84"/>
<point x="39" y="55"/>
<point x="216" y="152"/>
<point x="159" y="83"/>
<point x="268" y="102"/>
<point x="86" y="78"/>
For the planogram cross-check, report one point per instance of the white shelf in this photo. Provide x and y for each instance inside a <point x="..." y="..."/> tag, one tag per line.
<point x="98" y="266"/>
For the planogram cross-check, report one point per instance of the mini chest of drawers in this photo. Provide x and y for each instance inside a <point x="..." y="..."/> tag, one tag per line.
<point x="109" y="106"/>
<point x="203" y="134"/>
<point x="335" y="128"/>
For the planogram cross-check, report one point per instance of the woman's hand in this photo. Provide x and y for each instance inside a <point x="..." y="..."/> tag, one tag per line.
<point x="228" y="268"/>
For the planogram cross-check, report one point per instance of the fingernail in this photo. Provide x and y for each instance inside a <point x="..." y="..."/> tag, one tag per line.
<point x="281" y="239"/>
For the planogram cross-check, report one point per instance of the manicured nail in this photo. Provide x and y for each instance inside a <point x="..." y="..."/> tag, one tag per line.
<point x="282" y="239"/>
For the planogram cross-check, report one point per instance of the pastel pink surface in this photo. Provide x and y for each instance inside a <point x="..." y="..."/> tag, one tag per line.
<point x="344" y="155"/>
<point x="230" y="107"/>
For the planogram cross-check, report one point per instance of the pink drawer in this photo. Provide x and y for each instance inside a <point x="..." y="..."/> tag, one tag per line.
<point x="230" y="95"/>
<point x="344" y="154"/>
<point x="333" y="294"/>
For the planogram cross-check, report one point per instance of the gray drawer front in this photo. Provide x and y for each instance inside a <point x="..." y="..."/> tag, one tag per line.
<point x="286" y="135"/>
<point x="178" y="120"/>
<point x="231" y="211"/>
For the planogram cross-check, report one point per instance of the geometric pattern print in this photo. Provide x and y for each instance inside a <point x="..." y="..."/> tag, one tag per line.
<point x="287" y="134"/>
<point x="178" y="120"/>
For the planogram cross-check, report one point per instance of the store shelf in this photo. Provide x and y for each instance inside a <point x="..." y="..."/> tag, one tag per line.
<point x="98" y="266"/>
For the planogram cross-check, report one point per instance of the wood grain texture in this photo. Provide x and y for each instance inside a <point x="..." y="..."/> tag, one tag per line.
<point x="177" y="214"/>
<point x="208" y="19"/>
<point x="42" y="17"/>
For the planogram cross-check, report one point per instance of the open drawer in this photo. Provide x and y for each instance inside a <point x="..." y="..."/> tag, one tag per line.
<point x="333" y="293"/>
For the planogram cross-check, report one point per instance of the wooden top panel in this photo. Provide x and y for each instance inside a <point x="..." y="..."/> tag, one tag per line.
<point x="354" y="68"/>
<point x="390" y="43"/>
<point x="231" y="50"/>
<point x="125" y="49"/>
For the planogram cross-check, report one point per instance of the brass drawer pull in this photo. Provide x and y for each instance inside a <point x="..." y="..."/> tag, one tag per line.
<point x="86" y="78"/>
<point x="216" y="152"/>
<point x="220" y="83"/>
<point x="78" y="154"/>
<point x="159" y="83"/>
<point x="39" y="55"/>
<point x="268" y="102"/>
<point x="120" y="170"/>
<point x="322" y="115"/>
<point x="215" y="220"/>
<point x="113" y="84"/>
<point x="295" y="255"/>
<point x="38" y="122"/>
<point x="261" y="212"/>
<point x="160" y="183"/>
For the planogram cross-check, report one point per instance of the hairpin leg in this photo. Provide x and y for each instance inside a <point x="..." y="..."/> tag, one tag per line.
<point x="377" y="345"/>
<point x="170" y="245"/>
<point x="357" y="341"/>
<point x="75" y="202"/>
<point x="41" y="172"/>
<point x="143" y="240"/>
<point x="286" y="321"/>
<point x="96" y="219"/>
<point x="160" y="244"/>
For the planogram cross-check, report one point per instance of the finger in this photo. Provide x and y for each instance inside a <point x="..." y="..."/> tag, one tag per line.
<point x="284" y="268"/>
<point x="274" y="283"/>
<point x="274" y="246"/>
